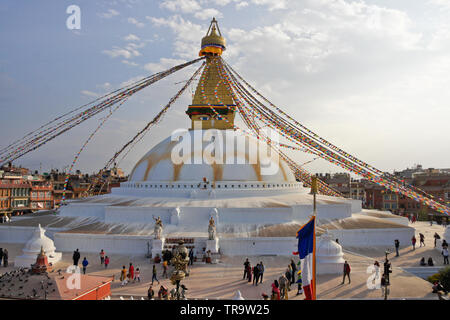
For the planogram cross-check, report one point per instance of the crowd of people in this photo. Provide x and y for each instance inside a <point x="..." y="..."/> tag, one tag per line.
<point x="252" y="273"/>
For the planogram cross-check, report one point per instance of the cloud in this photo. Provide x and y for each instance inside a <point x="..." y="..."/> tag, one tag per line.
<point x="136" y="22"/>
<point x="130" y="63"/>
<point x="241" y="5"/>
<point x="163" y="64"/>
<point x="187" y="35"/>
<point x="345" y="69"/>
<point x="88" y="93"/>
<point x="109" y="14"/>
<point x="105" y="86"/>
<point x="183" y="6"/>
<point x="131" y="37"/>
<point x="206" y="14"/>
<point x="272" y="4"/>
<point x="127" y="52"/>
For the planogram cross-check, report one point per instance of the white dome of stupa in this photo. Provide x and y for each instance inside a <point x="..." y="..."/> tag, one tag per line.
<point x="33" y="248"/>
<point x="330" y="258"/>
<point x="190" y="159"/>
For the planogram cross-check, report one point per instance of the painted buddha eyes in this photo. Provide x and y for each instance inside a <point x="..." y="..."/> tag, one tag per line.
<point x="206" y="118"/>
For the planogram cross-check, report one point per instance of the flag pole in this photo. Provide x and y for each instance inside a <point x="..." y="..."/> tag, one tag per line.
<point x="314" y="188"/>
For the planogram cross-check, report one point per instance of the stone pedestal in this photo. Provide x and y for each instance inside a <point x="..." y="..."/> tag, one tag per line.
<point x="157" y="247"/>
<point x="212" y="245"/>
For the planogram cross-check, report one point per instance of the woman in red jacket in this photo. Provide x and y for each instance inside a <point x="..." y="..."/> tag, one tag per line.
<point x="275" y="290"/>
<point x="131" y="272"/>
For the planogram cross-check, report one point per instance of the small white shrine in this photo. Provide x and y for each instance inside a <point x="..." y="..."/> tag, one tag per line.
<point x="329" y="255"/>
<point x="33" y="248"/>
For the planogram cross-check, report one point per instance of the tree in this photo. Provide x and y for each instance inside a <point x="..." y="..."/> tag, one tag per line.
<point x="443" y="276"/>
<point x="423" y="214"/>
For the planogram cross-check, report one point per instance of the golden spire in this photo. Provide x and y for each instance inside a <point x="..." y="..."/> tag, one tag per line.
<point x="212" y="105"/>
<point x="212" y="43"/>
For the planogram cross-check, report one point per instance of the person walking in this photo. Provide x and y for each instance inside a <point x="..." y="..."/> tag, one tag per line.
<point x="275" y="290"/>
<point x="165" y="265"/>
<point x="413" y="241"/>
<point x="154" y="275"/>
<point x="249" y="272"/>
<point x="261" y="271"/>
<point x="1" y="256"/>
<point x="445" y="255"/>
<point x="347" y="270"/>
<point x="294" y="271"/>
<point x="85" y="264"/>
<point x="413" y="219"/>
<point x="376" y="266"/>
<point x="191" y="256"/>
<point x="284" y="286"/>
<point x="131" y="272"/>
<point x="444" y="244"/>
<point x="422" y="239"/>
<point x="123" y="276"/>
<point x="256" y="274"/>
<point x="76" y="257"/>
<point x="137" y="275"/>
<point x="106" y="262"/>
<point x="436" y="238"/>
<point x="5" y="257"/>
<point x="288" y="274"/>
<point x="246" y="264"/>
<point x="102" y="256"/>
<point x="397" y="246"/>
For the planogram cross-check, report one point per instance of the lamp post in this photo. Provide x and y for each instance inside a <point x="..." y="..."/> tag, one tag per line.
<point x="180" y="261"/>
<point x="387" y="266"/>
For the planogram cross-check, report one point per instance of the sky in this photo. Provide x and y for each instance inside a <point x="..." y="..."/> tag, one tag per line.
<point x="370" y="76"/>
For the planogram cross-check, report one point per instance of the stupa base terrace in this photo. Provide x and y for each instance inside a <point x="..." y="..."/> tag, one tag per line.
<point x="252" y="218"/>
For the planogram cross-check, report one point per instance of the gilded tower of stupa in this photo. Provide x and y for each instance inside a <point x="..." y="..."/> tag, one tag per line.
<point x="200" y="112"/>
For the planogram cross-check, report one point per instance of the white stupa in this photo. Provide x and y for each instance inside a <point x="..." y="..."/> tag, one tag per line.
<point x="33" y="248"/>
<point x="187" y="179"/>
<point x="329" y="256"/>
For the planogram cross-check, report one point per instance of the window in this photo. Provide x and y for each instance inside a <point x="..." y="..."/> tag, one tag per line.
<point x="386" y="206"/>
<point x="204" y="118"/>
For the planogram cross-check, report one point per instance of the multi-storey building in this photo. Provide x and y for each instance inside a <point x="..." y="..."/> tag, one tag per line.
<point x="338" y="181"/>
<point x="20" y="194"/>
<point x="5" y="197"/>
<point x="41" y="197"/>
